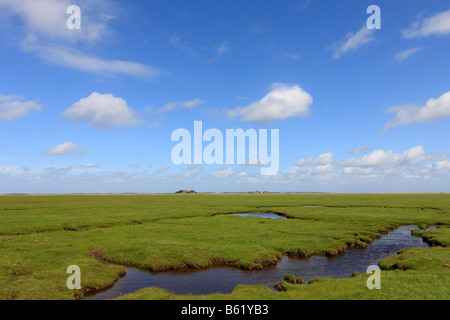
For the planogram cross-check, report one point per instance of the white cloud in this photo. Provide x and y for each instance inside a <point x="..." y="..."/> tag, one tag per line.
<point x="282" y="102"/>
<point x="405" y="54"/>
<point x="46" y="19"/>
<point x="322" y="169"/>
<point x="12" y="170"/>
<point x="223" y="48"/>
<point x="352" y="42"/>
<point x="192" y="103"/>
<point x="77" y="60"/>
<point x="410" y="171"/>
<point x="175" y="40"/>
<point x="180" y="104"/>
<point x="223" y="173"/>
<point x="305" y="4"/>
<point x="103" y="111"/>
<point x="45" y="34"/>
<point x="168" y="107"/>
<point x="441" y="166"/>
<point x="323" y="159"/>
<point x="64" y="149"/>
<point x="361" y="150"/>
<point x="218" y="51"/>
<point x="376" y="158"/>
<point x="434" y="109"/>
<point x="191" y="171"/>
<point x="161" y="169"/>
<point x="357" y="171"/>
<point x="381" y="171"/>
<point x="413" y="156"/>
<point x="290" y="55"/>
<point x="439" y="24"/>
<point x="382" y="158"/>
<point x="14" y="107"/>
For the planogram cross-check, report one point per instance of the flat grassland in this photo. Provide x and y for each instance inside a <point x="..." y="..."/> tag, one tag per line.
<point x="41" y="236"/>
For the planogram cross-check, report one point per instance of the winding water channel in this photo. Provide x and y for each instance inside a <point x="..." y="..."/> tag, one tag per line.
<point x="225" y="279"/>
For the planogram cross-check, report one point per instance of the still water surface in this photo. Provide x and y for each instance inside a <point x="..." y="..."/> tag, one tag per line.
<point x="259" y="215"/>
<point x="225" y="279"/>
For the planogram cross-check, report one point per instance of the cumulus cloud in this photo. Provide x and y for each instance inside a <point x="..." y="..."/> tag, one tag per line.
<point x="352" y="42"/>
<point x="405" y="54"/>
<point x="439" y="24"/>
<point x="103" y="111"/>
<point x="357" y="171"/>
<point x="64" y="149"/>
<point x="434" y="109"/>
<point x="323" y="159"/>
<point x="441" y="166"/>
<point x="14" y="107"/>
<point x="282" y="102"/>
<point x="380" y="168"/>
<point x="383" y="158"/>
<point x="413" y="170"/>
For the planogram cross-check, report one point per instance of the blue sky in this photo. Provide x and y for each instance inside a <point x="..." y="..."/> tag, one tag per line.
<point x="93" y="110"/>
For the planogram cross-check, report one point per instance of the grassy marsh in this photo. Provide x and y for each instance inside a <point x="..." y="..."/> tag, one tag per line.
<point x="40" y="236"/>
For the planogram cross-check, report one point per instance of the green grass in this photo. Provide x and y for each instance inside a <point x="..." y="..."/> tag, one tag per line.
<point x="40" y="236"/>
